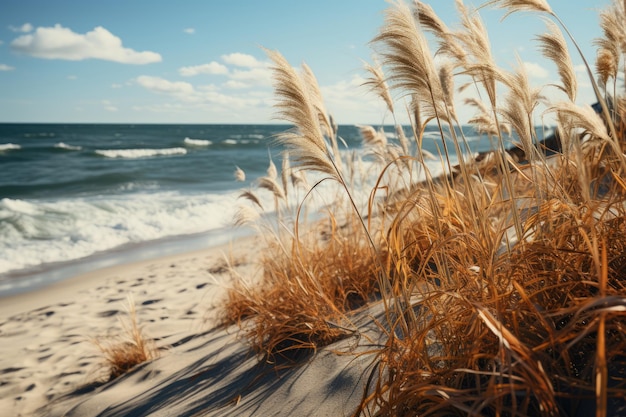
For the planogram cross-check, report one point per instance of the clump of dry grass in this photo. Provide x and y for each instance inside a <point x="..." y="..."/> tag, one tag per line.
<point x="308" y="286"/>
<point x="504" y="280"/>
<point x="123" y="352"/>
<point x="509" y="319"/>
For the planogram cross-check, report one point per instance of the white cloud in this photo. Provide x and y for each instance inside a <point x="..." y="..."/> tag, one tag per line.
<point x="580" y="68"/>
<point x="214" y="68"/>
<point x="25" y="28"/>
<point x="257" y="76"/>
<point x="62" y="43"/>
<point x="348" y="101"/>
<point x="5" y="67"/>
<point x="235" y="85"/>
<point x="115" y="85"/>
<point x="582" y="76"/>
<point x="108" y="106"/>
<point x="243" y="60"/>
<point x="249" y="71"/>
<point x="161" y="85"/>
<point x="208" y="87"/>
<point x="189" y="31"/>
<point x="535" y="70"/>
<point x="71" y="77"/>
<point x="244" y="92"/>
<point x="207" y="97"/>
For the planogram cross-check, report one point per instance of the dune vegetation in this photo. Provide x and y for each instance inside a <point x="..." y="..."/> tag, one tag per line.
<point x="128" y="348"/>
<point x="503" y="280"/>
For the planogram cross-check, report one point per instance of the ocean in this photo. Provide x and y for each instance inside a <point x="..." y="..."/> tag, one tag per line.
<point x="75" y="197"/>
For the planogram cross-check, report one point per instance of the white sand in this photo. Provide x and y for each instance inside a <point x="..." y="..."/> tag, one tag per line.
<point x="49" y="365"/>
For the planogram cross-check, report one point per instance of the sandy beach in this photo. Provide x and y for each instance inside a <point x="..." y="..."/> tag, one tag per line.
<point x="49" y="365"/>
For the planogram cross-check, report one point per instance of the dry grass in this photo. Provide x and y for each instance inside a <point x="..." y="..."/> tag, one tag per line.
<point x="300" y="303"/>
<point x="517" y="258"/>
<point x="129" y="348"/>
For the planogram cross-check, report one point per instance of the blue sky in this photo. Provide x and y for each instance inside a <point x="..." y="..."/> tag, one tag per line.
<point x="193" y="61"/>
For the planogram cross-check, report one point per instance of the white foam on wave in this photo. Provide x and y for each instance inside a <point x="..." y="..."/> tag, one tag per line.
<point x="65" y="146"/>
<point x="251" y="136"/>
<point x="229" y="142"/>
<point x="34" y="233"/>
<point x="38" y="232"/>
<point x="41" y="135"/>
<point x="197" y="142"/>
<point x="16" y="206"/>
<point x="140" y="153"/>
<point x="9" y="147"/>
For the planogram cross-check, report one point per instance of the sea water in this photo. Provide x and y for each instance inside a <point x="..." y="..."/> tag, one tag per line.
<point x="76" y="192"/>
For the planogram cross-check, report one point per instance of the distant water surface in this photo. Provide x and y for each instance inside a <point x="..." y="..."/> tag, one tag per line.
<point x="69" y="192"/>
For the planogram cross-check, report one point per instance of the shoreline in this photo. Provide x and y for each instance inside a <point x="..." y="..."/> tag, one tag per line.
<point x="46" y="335"/>
<point x="50" y="366"/>
<point x="39" y="277"/>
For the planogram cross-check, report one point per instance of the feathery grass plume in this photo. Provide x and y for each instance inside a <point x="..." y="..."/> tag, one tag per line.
<point x="427" y="17"/>
<point x="271" y="169"/>
<point x="285" y="172"/>
<point x="271" y="185"/>
<point x="606" y="66"/>
<point x="478" y="62"/>
<point x="553" y="46"/>
<point x="611" y="46"/>
<point x="447" y="43"/>
<point x="298" y="179"/>
<point x="239" y="174"/>
<point x="411" y="68"/>
<point x="274" y="187"/>
<point x="572" y="117"/>
<point x="447" y="86"/>
<point x="245" y="215"/>
<point x="418" y="125"/>
<point x="317" y="101"/>
<point x="372" y="137"/>
<point x="250" y="196"/>
<point x="326" y="121"/>
<point x="129" y="349"/>
<point x="521" y="102"/>
<point x="484" y="121"/>
<point x="520" y="6"/>
<point x="404" y="142"/>
<point x="306" y="143"/>
<point x="584" y="117"/>
<point x="378" y="84"/>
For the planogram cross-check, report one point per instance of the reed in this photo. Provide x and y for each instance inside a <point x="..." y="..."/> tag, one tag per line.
<point x="131" y="347"/>
<point x="503" y="280"/>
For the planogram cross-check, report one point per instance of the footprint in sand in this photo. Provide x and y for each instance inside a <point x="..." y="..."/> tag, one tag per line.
<point x="108" y="313"/>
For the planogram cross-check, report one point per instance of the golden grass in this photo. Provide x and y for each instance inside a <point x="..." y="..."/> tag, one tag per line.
<point x="131" y="347"/>
<point x="504" y="280"/>
<point x="300" y="303"/>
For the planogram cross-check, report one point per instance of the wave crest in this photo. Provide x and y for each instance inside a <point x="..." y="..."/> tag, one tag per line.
<point x="140" y="153"/>
<point x="197" y="142"/>
<point x="62" y="145"/>
<point x="8" y="147"/>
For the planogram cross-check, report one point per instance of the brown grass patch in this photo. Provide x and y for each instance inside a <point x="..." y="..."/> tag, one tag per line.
<point x="126" y="350"/>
